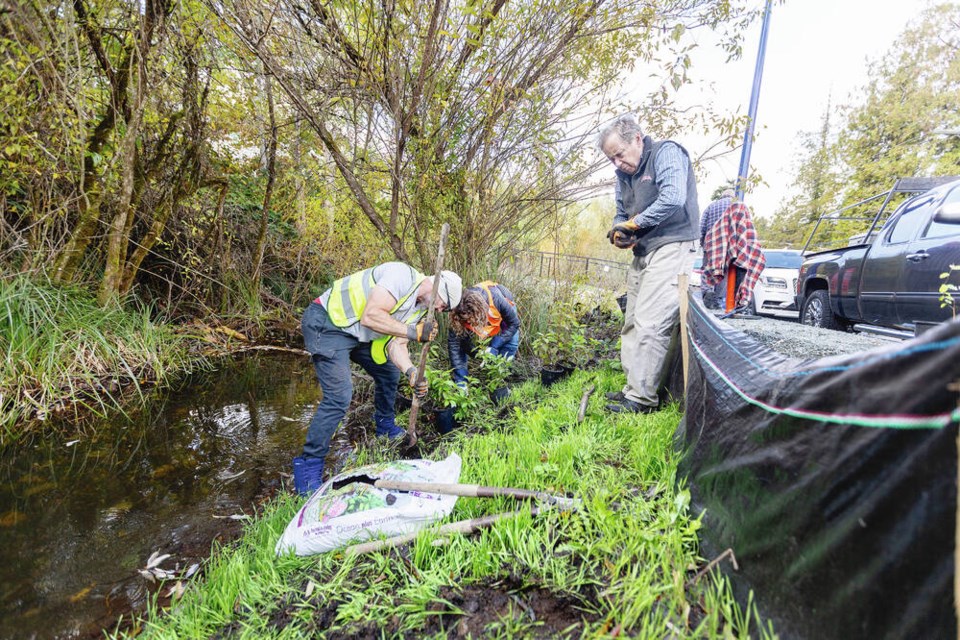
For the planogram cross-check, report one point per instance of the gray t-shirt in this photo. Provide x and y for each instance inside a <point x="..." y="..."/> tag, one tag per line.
<point x="397" y="278"/>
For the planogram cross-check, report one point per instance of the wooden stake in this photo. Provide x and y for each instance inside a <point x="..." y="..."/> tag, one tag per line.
<point x="583" y="403"/>
<point x="955" y="386"/>
<point x="415" y="406"/>
<point x="683" y="283"/>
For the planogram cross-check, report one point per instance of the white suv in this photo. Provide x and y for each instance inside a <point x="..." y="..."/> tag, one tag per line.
<point x="777" y="286"/>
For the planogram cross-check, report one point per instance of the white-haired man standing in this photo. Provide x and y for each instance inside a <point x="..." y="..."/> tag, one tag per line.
<point x="657" y="216"/>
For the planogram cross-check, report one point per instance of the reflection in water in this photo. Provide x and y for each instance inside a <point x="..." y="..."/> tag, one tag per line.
<point x="79" y="515"/>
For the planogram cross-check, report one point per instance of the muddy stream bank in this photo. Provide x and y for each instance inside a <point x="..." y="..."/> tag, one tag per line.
<point x="81" y="513"/>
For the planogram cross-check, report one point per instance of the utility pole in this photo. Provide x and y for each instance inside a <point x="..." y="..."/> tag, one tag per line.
<point x="754" y="99"/>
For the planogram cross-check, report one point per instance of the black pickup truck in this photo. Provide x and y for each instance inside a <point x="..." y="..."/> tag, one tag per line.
<point x="890" y="282"/>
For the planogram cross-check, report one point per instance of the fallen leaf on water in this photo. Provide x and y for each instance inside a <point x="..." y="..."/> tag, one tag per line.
<point x="235" y="516"/>
<point x="155" y="559"/>
<point x="176" y="590"/>
<point x="43" y="487"/>
<point x="80" y="595"/>
<point x="192" y="569"/>
<point x="288" y="419"/>
<point x="147" y="574"/>
<point x="11" y="518"/>
<point x="161" y="471"/>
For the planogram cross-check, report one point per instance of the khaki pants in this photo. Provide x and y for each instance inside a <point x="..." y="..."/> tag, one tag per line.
<point x="653" y="310"/>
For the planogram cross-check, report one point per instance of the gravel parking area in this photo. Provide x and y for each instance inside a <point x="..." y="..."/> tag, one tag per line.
<point x="796" y="340"/>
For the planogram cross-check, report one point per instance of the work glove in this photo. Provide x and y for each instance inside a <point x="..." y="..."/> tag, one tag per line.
<point x="627" y="227"/>
<point x="622" y="235"/>
<point x="423" y="331"/>
<point x="419" y="389"/>
<point x="622" y="240"/>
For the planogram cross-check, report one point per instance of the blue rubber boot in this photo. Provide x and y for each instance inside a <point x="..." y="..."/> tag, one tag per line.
<point x="307" y="475"/>
<point x="387" y="428"/>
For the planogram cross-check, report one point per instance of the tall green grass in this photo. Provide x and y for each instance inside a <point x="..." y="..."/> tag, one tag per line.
<point x="62" y="352"/>
<point x="626" y="560"/>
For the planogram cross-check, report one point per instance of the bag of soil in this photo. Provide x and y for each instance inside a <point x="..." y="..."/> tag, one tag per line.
<point x="348" y="508"/>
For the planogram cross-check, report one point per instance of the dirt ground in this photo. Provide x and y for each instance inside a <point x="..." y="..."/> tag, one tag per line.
<point x="467" y="612"/>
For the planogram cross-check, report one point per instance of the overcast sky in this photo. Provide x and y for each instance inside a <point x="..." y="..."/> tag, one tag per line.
<point x="817" y="51"/>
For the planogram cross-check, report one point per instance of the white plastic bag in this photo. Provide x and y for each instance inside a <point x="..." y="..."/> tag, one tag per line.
<point x="357" y="511"/>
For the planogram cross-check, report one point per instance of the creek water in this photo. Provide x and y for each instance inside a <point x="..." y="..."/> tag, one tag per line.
<point x="81" y="512"/>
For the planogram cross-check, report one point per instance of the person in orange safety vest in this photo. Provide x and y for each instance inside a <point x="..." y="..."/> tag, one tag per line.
<point x="487" y="310"/>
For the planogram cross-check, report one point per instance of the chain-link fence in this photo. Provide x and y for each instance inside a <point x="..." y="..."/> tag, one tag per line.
<point x="606" y="274"/>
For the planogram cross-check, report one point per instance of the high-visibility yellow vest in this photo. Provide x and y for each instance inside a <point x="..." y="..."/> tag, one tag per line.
<point x="348" y="299"/>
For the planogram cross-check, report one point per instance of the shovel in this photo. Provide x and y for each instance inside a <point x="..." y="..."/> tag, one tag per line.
<point x="466" y="491"/>
<point x="415" y="406"/>
<point x="479" y="491"/>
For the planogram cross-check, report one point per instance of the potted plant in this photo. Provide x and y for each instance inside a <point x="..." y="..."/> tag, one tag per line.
<point x="548" y="346"/>
<point x="450" y="402"/>
<point x="493" y="375"/>
<point x="582" y="350"/>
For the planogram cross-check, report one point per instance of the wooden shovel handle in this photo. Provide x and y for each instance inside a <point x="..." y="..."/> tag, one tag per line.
<point x="478" y="491"/>
<point x="415" y="406"/>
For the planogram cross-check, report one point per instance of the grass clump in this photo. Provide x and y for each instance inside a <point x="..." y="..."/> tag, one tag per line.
<point x="623" y="564"/>
<point x="61" y="351"/>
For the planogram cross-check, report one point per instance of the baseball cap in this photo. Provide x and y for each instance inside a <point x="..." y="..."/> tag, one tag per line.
<point x="451" y="288"/>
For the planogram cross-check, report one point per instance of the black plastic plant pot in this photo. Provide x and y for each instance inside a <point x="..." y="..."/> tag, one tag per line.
<point x="550" y="376"/>
<point x="500" y="395"/>
<point x="446" y="422"/>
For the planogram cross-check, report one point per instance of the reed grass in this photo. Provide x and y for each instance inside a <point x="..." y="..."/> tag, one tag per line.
<point x="64" y="354"/>
<point x="625" y="560"/>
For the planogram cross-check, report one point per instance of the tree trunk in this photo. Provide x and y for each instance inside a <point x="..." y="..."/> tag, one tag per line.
<point x="118" y="233"/>
<point x="132" y="266"/>
<point x="271" y="162"/>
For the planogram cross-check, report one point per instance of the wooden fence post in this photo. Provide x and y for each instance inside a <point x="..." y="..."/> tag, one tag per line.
<point x="683" y="284"/>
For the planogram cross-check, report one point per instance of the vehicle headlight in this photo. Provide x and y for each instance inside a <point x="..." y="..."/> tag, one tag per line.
<point x="775" y="283"/>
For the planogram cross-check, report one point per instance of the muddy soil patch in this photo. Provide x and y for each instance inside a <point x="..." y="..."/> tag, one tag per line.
<point x="478" y="610"/>
<point x="472" y="611"/>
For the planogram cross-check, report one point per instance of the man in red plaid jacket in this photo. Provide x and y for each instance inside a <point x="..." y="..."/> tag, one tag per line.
<point x="733" y="240"/>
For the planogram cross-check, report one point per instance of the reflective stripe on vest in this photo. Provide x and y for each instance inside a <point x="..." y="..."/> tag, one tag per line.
<point x="378" y="348"/>
<point x="348" y="298"/>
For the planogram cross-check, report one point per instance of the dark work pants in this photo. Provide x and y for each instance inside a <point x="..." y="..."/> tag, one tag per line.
<point x="332" y="351"/>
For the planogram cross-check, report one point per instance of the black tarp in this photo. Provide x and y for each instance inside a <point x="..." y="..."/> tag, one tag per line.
<point x="833" y="480"/>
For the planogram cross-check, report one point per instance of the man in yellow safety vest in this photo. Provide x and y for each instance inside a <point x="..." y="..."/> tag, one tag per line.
<point x="367" y="317"/>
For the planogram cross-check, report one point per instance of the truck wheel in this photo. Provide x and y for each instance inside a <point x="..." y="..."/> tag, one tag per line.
<point x="817" y="313"/>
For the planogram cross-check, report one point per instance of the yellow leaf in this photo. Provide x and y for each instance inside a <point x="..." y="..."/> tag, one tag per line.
<point x="80" y="595"/>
